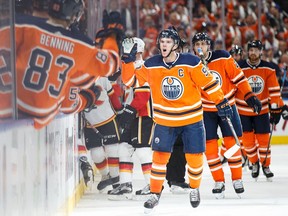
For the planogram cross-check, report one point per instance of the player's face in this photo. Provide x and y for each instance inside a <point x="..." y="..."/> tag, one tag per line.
<point x="254" y="54"/>
<point x="201" y="44"/>
<point x="237" y="57"/>
<point x="166" y="45"/>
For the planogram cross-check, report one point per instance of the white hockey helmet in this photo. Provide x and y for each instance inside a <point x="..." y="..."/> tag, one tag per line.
<point x="140" y="44"/>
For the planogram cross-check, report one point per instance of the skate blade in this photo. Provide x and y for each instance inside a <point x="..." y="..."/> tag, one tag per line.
<point x="148" y="211"/>
<point x="120" y="197"/>
<point x="239" y="195"/>
<point x="219" y="195"/>
<point x="269" y="179"/>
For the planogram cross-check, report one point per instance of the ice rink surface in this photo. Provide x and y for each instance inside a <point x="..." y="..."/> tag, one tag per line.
<point x="260" y="198"/>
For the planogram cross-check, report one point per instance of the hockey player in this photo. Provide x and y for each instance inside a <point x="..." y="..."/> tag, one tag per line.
<point x="236" y="52"/>
<point x="175" y="80"/>
<point x="102" y="135"/>
<point x="136" y="127"/>
<point x="42" y="72"/>
<point x="263" y="80"/>
<point x="231" y="78"/>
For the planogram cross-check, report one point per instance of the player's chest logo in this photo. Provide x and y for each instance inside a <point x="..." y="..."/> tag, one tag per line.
<point x="172" y="88"/>
<point x="217" y="76"/>
<point x="256" y="83"/>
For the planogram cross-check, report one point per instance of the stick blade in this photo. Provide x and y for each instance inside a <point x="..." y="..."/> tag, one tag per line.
<point x="231" y="151"/>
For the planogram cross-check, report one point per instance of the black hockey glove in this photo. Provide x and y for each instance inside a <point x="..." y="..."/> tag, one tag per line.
<point x="275" y="115"/>
<point x="115" y="76"/>
<point x="285" y="112"/>
<point x="127" y="117"/>
<point x="92" y="94"/>
<point x="224" y="109"/>
<point x="253" y="102"/>
<point x="112" y="24"/>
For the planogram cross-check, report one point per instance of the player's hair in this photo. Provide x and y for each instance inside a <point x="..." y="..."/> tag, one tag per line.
<point x="236" y="50"/>
<point x="201" y="36"/>
<point x="255" y="43"/>
<point x="169" y="33"/>
<point x="41" y="5"/>
<point x="65" y="9"/>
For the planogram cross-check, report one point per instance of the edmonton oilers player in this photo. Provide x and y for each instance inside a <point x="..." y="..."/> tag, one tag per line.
<point x="175" y="80"/>
<point x="261" y="76"/>
<point x="231" y="78"/>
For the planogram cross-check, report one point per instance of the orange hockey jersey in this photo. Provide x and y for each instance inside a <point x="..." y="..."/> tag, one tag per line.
<point x="175" y="88"/>
<point x="141" y="95"/>
<point x="230" y="76"/>
<point x="263" y="81"/>
<point x="6" y="80"/>
<point x="47" y="57"/>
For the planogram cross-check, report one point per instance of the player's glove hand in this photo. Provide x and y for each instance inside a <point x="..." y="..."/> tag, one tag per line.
<point x="115" y="76"/>
<point x="129" y="50"/>
<point x="253" y="102"/>
<point x="112" y="24"/>
<point x="275" y="115"/>
<point x="91" y="95"/>
<point x="285" y="112"/>
<point x="127" y="117"/>
<point x="224" y="109"/>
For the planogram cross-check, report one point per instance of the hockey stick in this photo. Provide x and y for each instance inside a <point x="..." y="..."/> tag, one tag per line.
<point x="231" y="151"/>
<point x="201" y="54"/>
<point x="283" y="78"/>
<point x="269" y="143"/>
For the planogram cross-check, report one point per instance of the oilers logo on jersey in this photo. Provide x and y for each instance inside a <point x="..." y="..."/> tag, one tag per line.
<point x="172" y="88"/>
<point x="217" y="76"/>
<point x="256" y="83"/>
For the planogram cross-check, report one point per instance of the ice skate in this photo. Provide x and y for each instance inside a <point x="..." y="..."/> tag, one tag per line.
<point x="194" y="197"/>
<point x="122" y="192"/>
<point x="107" y="180"/>
<point x="238" y="187"/>
<point x="142" y="194"/>
<point x="151" y="203"/>
<point x="255" y="170"/>
<point x="267" y="172"/>
<point x="218" y="190"/>
<point x="179" y="188"/>
<point x="87" y="171"/>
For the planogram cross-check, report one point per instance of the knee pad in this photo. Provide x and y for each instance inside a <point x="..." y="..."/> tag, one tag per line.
<point x="98" y="154"/>
<point x="112" y="150"/>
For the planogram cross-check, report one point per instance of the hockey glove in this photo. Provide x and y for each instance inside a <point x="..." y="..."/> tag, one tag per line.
<point x="285" y="112"/>
<point x="127" y="117"/>
<point x="130" y="57"/>
<point x="112" y="24"/>
<point x="224" y="109"/>
<point x="275" y="115"/>
<point x="115" y="76"/>
<point x="253" y="102"/>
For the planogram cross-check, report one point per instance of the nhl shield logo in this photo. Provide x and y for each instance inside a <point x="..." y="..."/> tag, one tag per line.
<point x="172" y="88"/>
<point x="256" y="83"/>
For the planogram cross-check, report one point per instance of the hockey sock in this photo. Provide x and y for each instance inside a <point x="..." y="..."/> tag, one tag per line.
<point x="195" y="169"/>
<point x="235" y="162"/>
<point x="263" y="140"/>
<point x="158" y="170"/>
<point x="213" y="160"/>
<point x="251" y="149"/>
